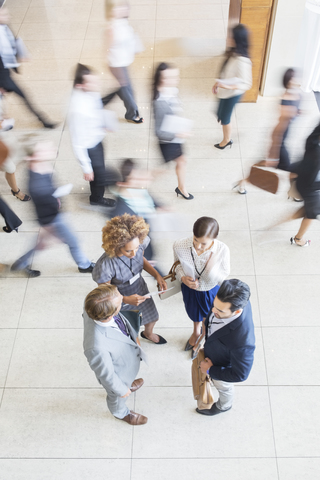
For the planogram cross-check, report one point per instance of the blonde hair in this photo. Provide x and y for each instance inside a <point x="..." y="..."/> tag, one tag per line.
<point x="121" y="230"/>
<point x="99" y="303"/>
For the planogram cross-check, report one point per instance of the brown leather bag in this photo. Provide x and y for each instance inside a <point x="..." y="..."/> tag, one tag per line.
<point x="264" y="179"/>
<point x="201" y="384"/>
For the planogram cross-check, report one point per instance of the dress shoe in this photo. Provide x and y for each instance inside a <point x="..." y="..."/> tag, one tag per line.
<point x="88" y="269"/>
<point x="188" y="346"/>
<point x="229" y="144"/>
<point x="104" y="202"/>
<point x="137" y="384"/>
<point x="28" y="271"/>
<point x="134" y="418"/>
<point x="214" y="410"/>
<point x="178" y="192"/>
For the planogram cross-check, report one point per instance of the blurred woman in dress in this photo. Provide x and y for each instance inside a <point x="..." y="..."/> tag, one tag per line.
<point x="165" y="103"/>
<point x="235" y="79"/>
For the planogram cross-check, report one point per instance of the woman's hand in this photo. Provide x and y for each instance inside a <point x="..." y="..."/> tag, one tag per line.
<point x="161" y="282"/>
<point x="193" y="284"/>
<point x="134" y="300"/>
<point x="215" y="87"/>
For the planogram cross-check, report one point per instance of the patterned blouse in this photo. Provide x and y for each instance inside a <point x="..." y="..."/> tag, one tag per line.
<point x="214" y="268"/>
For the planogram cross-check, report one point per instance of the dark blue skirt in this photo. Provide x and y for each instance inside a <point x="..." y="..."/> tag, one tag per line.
<point x="198" y="304"/>
<point x="225" y="108"/>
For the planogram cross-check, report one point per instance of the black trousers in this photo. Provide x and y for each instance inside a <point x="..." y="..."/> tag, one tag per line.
<point x="284" y="159"/>
<point x="11" y="219"/>
<point x="103" y="176"/>
<point x="7" y="84"/>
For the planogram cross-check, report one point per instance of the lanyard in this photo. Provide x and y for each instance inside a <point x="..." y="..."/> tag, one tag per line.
<point x="130" y="268"/>
<point x="199" y="273"/>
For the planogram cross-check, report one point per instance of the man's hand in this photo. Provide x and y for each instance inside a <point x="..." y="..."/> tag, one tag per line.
<point x="127" y="394"/>
<point x="134" y="300"/>
<point x="205" y="365"/>
<point x="89" y="177"/>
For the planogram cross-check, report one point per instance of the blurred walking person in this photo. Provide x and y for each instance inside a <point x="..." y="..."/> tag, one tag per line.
<point x="278" y="155"/>
<point x="10" y="49"/>
<point x="235" y="79"/>
<point x="88" y="126"/>
<point x="166" y="103"/>
<point x="308" y="185"/>
<point x="121" y="45"/>
<point x="47" y="206"/>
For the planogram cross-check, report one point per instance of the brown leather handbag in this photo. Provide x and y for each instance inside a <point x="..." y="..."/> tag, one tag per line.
<point x="264" y="179"/>
<point x="201" y="384"/>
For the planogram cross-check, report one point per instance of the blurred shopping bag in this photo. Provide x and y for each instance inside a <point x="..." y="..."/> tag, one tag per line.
<point x="265" y="178"/>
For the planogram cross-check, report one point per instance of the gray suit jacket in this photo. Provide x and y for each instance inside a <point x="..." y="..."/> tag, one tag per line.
<point x="114" y="358"/>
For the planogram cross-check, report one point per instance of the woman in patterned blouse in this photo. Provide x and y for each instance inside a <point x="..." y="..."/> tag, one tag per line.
<point x="204" y="265"/>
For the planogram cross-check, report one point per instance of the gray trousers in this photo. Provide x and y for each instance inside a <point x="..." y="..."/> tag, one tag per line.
<point x="58" y="228"/>
<point x="117" y="405"/>
<point x="125" y="92"/>
<point x="226" y="393"/>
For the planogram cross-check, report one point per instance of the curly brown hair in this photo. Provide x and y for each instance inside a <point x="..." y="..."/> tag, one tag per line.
<point x="121" y="230"/>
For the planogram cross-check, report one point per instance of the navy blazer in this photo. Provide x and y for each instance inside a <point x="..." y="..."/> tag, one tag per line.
<point x="231" y="348"/>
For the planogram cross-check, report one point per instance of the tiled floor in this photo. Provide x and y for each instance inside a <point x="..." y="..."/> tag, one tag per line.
<point x="54" y="422"/>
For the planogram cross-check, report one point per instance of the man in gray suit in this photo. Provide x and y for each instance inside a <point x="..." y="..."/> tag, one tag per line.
<point x="112" y="350"/>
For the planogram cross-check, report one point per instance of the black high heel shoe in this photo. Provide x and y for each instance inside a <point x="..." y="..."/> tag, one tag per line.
<point x="26" y="197"/>
<point x="217" y="145"/>
<point x="180" y="193"/>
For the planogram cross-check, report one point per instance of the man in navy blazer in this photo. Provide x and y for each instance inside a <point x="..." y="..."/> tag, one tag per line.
<point x="230" y="342"/>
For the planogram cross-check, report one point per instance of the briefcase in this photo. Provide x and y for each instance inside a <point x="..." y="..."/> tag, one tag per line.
<point x="265" y="179"/>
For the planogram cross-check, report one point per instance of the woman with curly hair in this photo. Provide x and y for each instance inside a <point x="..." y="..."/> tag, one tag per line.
<point x="124" y="240"/>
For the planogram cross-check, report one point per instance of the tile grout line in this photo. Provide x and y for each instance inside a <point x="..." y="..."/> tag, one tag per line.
<point x="259" y="309"/>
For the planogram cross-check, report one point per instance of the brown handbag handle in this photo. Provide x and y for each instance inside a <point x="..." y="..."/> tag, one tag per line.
<point x="172" y="273"/>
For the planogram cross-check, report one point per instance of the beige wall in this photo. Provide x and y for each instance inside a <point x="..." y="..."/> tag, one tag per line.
<point x="288" y="19"/>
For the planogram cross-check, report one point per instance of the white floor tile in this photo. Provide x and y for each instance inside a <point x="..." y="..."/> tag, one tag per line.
<point x="62" y="423"/>
<point x="172" y="417"/>
<point x="295" y="417"/>
<point x="46" y="469"/>
<point x="292" y="355"/>
<point x="180" y="469"/>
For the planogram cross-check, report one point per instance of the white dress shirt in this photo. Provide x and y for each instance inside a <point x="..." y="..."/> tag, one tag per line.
<point x="87" y="124"/>
<point x="215" y="323"/>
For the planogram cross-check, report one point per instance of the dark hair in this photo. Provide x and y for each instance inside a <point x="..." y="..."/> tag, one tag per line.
<point x="206" y="227"/>
<point x="235" y="292"/>
<point x="240" y="35"/>
<point x="126" y="168"/>
<point x="81" y="71"/>
<point x="287" y="77"/>
<point x="157" y="78"/>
